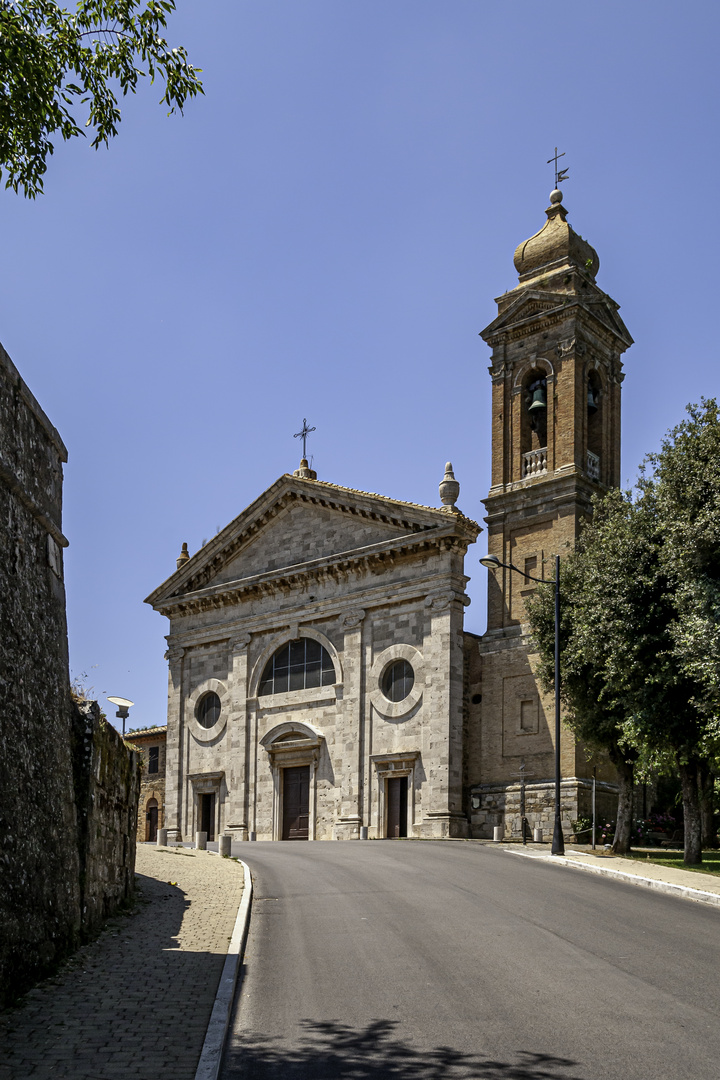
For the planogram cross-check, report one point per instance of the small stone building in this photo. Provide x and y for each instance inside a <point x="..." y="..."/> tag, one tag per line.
<point x="151" y="745"/>
<point x="321" y="683"/>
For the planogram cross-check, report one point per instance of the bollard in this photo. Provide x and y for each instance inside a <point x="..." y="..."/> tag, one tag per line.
<point x="162" y="838"/>
<point x="537" y="836"/>
<point x="201" y="841"/>
<point x="251" y="835"/>
<point x="363" y="832"/>
<point x="224" y="843"/>
<point x="498" y="832"/>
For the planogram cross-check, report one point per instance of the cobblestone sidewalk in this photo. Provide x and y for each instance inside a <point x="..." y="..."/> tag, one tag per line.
<point x="135" y="1002"/>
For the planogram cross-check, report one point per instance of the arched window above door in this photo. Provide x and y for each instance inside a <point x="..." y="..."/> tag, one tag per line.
<point x="298" y="665"/>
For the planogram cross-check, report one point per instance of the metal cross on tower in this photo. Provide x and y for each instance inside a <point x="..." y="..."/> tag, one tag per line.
<point x="562" y="174"/>
<point x="303" y="435"/>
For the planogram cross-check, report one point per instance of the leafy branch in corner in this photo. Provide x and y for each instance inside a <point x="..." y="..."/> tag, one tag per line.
<point x="53" y="61"/>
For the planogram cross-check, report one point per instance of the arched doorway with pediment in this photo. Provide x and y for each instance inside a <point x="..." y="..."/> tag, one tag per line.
<point x="293" y="749"/>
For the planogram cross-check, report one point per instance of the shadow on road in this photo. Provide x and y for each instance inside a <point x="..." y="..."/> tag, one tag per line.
<point x="328" y="1050"/>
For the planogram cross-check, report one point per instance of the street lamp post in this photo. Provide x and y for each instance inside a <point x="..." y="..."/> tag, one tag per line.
<point x="493" y="563"/>
<point x="124" y="705"/>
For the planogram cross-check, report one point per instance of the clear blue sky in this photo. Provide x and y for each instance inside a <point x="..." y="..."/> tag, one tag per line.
<point x="323" y="235"/>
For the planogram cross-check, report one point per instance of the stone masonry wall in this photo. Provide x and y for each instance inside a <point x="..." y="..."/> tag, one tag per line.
<point x="107" y="787"/>
<point x="39" y="879"/>
<point x="500" y="805"/>
<point x="41" y="890"/>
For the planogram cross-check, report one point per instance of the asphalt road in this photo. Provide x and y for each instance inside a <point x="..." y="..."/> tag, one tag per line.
<point x="442" y="960"/>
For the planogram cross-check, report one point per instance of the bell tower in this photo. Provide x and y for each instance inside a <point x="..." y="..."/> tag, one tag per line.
<point x="556" y="370"/>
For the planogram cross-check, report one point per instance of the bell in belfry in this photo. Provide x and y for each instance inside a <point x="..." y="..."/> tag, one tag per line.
<point x="593" y="396"/>
<point x="538" y="400"/>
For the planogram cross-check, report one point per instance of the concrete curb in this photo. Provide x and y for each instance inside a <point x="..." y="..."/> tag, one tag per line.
<point x="649" y="883"/>
<point x="211" y="1056"/>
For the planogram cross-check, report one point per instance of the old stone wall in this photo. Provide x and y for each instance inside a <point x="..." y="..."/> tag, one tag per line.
<point x="107" y="787"/>
<point x="500" y="804"/>
<point x="42" y="884"/>
<point x="39" y="879"/>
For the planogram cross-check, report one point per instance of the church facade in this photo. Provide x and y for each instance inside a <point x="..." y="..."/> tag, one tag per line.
<point x="321" y="683"/>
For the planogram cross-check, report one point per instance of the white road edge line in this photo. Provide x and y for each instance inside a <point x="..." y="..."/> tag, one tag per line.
<point x="211" y="1056"/>
<point x="649" y="883"/>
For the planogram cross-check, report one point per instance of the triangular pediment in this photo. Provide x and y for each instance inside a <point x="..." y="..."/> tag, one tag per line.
<point x="606" y="312"/>
<point x="302" y="532"/>
<point x="300" y="523"/>
<point x="528" y="304"/>
<point x="535" y="304"/>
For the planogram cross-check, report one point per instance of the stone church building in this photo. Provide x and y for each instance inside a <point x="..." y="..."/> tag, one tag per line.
<point x="321" y="684"/>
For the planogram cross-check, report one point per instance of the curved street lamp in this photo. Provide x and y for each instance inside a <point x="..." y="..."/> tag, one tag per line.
<point x="493" y="563"/>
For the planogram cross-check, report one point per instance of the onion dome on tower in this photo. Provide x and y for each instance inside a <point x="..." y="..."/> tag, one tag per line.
<point x="555" y="247"/>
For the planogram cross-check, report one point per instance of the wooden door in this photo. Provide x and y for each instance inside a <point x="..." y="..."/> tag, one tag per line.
<point x="296" y="803"/>
<point x="207" y="814"/>
<point x="151" y="817"/>
<point x="397" y="789"/>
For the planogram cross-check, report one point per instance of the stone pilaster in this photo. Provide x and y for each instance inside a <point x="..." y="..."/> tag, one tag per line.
<point x="173" y="774"/>
<point x="442" y="756"/>
<point x="254" y="750"/>
<point x="349" y="730"/>
<point x="237" y="780"/>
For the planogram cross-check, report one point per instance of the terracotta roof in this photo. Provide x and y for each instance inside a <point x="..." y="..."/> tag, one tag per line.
<point x="146" y="731"/>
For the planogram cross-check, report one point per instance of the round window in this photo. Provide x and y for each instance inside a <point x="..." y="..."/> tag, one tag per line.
<point x="208" y="710"/>
<point x="397" y="680"/>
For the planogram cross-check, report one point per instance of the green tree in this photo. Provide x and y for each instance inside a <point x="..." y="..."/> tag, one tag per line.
<point x="55" y="63"/>
<point x="685" y="488"/>
<point x="640" y="660"/>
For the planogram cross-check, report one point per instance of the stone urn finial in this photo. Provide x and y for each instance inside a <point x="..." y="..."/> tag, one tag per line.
<point x="183" y="557"/>
<point x="449" y="487"/>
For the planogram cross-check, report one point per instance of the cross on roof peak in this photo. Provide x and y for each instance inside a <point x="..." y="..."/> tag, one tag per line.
<point x="303" y="435"/>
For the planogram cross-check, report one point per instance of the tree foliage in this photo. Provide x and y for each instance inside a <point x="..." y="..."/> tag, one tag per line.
<point x="640" y="619"/>
<point x="56" y="63"/>
<point x="685" y="486"/>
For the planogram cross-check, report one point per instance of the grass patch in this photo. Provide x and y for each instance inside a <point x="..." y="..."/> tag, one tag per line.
<point x="710" y="864"/>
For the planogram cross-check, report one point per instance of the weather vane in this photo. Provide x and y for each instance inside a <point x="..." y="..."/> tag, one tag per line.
<point x="562" y="174"/>
<point x="303" y="435"/>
